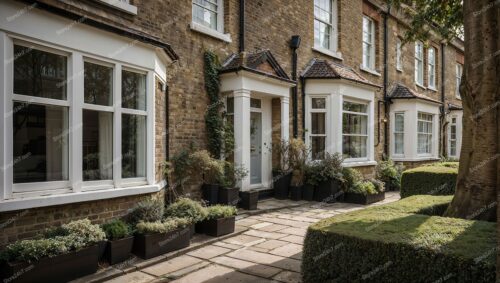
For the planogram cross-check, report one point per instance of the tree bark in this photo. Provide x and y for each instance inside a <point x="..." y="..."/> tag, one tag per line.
<point x="479" y="170"/>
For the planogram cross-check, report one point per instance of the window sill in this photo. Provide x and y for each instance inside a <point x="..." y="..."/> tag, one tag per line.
<point x="432" y="88"/>
<point x="373" y="72"/>
<point x="71" y="197"/>
<point x="420" y="86"/>
<point x="359" y="163"/>
<point x="399" y="70"/>
<point x="401" y="159"/>
<point x="122" y="6"/>
<point x="334" y="54"/>
<point x="210" y="32"/>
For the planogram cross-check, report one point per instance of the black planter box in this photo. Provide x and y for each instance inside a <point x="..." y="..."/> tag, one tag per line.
<point x="119" y="250"/>
<point x="102" y="249"/>
<point x="281" y="185"/>
<point x="210" y="193"/>
<point x="296" y="192"/>
<point x="192" y="231"/>
<point x="228" y="196"/>
<point x="199" y="227"/>
<point x="328" y="191"/>
<point x="308" y="192"/>
<point x="249" y="200"/>
<point x="147" y="246"/>
<point x="362" y="199"/>
<point x="61" y="268"/>
<point x="219" y="227"/>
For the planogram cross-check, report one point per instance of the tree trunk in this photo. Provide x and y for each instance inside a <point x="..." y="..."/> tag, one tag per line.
<point x="476" y="191"/>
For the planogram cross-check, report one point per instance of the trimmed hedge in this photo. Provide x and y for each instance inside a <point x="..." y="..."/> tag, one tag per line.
<point x="390" y="244"/>
<point x="420" y="204"/>
<point x="429" y="180"/>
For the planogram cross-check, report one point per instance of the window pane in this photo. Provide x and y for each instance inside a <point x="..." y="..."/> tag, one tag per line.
<point x="38" y="73"/>
<point x="398" y="143"/>
<point x="355" y="107"/>
<point x="40" y="143"/>
<point x="354" y="124"/>
<point x="230" y="105"/>
<point x="98" y="84"/>
<point x="133" y="146"/>
<point x="399" y="125"/>
<point x="133" y="90"/>
<point x="318" y="103"/>
<point x="97" y="145"/>
<point x="354" y="147"/>
<point x="318" y="123"/>
<point x="255" y="103"/>
<point x="205" y="16"/>
<point x="318" y="147"/>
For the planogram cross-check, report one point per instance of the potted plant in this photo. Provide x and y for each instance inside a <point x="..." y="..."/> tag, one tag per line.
<point x="189" y="209"/>
<point x="390" y="174"/>
<point x="156" y="238"/>
<point x="310" y="180"/>
<point x="61" y="255"/>
<point x="249" y="199"/>
<point x="329" y="177"/>
<point x="148" y="210"/>
<point x="120" y="241"/>
<point x="365" y="192"/>
<point x="228" y="191"/>
<point x="298" y="154"/>
<point x="211" y="170"/>
<point x="282" y="174"/>
<point x="220" y="220"/>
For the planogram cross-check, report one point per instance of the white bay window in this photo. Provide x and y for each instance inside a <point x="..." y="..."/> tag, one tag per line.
<point x="425" y="132"/>
<point x="399" y="133"/>
<point x="354" y="130"/>
<point x="318" y="127"/>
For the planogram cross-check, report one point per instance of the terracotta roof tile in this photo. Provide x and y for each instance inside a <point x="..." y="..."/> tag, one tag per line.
<point x="401" y="91"/>
<point x="325" y="69"/>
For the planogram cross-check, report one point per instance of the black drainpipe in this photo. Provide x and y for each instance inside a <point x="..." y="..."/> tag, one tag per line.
<point x="242" y="25"/>
<point x="303" y="90"/>
<point x="294" y="45"/>
<point x="167" y="123"/>
<point x="442" y="108"/>
<point x="386" y="81"/>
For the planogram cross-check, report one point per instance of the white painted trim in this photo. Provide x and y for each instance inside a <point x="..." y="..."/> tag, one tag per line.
<point x="334" y="37"/>
<point x="242" y="156"/>
<point x="373" y="72"/>
<point x="359" y="163"/>
<point x="120" y="5"/>
<point x="331" y="53"/>
<point x="255" y="83"/>
<point x="59" y="199"/>
<point x="210" y="32"/>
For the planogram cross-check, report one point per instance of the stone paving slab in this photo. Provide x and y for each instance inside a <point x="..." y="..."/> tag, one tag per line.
<point x="269" y="250"/>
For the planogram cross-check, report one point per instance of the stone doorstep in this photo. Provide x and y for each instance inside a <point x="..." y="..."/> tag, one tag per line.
<point x="111" y="272"/>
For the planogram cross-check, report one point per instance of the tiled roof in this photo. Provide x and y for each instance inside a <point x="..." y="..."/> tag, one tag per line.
<point x="452" y="106"/>
<point x="325" y="69"/>
<point x="261" y="62"/>
<point x="402" y="91"/>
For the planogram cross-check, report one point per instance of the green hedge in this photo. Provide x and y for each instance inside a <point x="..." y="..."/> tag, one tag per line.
<point x="420" y="204"/>
<point x="429" y="180"/>
<point x="391" y="244"/>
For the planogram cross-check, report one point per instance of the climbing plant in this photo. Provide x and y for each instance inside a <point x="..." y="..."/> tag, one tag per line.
<point x="213" y="117"/>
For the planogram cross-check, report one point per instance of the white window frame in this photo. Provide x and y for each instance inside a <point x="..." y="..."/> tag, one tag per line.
<point x="450" y="139"/>
<point x="369" y="122"/>
<point x="430" y="135"/>
<point x="370" y="64"/>
<point x="419" y="63"/>
<point x="122" y="5"/>
<point x="396" y="132"/>
<point x="217" y="32"/>
<point x="311" y="110"/>
<point x="431" y="68"/>
<point x="333" y="50"/>
<point x="399" y="55"/>
<point x="458" y="79"/>
<point x="75" y="104"/>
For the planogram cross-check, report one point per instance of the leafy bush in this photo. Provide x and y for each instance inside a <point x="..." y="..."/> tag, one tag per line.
<point x="351" y="177"/>
<point x="165" y="226"/>
<point x="116" y="229"/>
<point x="220" y="211"/>
<point x="212" y="169"/>
<point x="186" y="208"/>
<point x="353" y="183"/>
<point x="384" y="244"/>
<point x="298" y="155"/>
<point x="148" y="210"/>
<point x="429" y="180"/>
<point x="390" y="174"/>
<point x="329" y="168"/>
<point x="72" y="236"/>
<point x="232" y="175"/>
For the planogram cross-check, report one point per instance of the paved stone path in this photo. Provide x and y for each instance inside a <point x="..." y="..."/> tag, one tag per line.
<point x="269" y="251"/>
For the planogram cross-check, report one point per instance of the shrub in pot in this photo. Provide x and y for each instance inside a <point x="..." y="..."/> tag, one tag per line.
<point x="212" y="172"/>
<point x="282" y="174"/>
<point x="361" y="191"/>
<point x="120" y="241"/>
<point x="390" y="174"/>
<point x="220" y="220"/>
<point x="310" y="181"/>
<point x="249" y="199"/>
<point x="156" y="238"/>
<point x="298" y="154"/>
<point x="228" y="191"/>
<point x="329" y="178"/>
<point x="60" y="255"/>
<point x="148" y="210"/>
<point x="187" y="208"/>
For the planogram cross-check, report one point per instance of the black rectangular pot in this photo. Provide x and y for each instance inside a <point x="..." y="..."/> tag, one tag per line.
<point x="362" y="199"/>
<point x="147" y="246"/>
<point x="192" y="231"/>
<point x="308" y="192"/>
<point x="296" y="192"/>
<point x="199" y="227"/>
<point x="249" y="200"/>
<point x="119" y="250"/>
<point x="281" y="184"/>
<point x="219" y="227"/>
<point x="228" y="196"/>
<point x="61" y="268"/>
<point x="210" y="193"/>
<point x="328" y="191"/>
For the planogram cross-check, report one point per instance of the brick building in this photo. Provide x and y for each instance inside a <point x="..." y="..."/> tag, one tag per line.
<point x="97" y="94"/>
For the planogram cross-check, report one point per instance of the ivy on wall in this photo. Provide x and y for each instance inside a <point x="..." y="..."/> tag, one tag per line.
<point x="213" y="117"/>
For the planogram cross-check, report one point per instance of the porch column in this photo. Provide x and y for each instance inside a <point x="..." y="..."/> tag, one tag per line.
<point x="285" y="118"/>
<point x="242" y="133"/>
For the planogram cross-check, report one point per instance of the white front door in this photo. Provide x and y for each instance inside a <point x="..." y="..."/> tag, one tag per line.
<point x="255" y="148"/>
